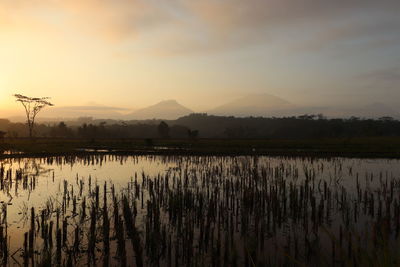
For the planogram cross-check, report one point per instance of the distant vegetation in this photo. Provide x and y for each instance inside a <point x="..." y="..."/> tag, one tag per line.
<point x="206" y="126"/>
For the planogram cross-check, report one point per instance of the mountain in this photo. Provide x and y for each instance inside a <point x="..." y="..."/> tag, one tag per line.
<point x="373" y="110"/>
<point x="255" y="105"/>
<point x="266" y="105"/>
<point x="168" y="110"/>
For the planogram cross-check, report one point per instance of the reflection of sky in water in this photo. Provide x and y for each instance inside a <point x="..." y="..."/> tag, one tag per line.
<point x="120" y="170"/>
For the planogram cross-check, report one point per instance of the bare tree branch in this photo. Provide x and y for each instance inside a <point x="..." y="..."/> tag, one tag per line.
<point x="32" y="106"/>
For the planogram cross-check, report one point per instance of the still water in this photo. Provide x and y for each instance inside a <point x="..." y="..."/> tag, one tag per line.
<point x="196" y="211"/>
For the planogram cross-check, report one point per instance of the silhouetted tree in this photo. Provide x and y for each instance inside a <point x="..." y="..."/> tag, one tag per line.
<point x="61" y="130"/>
<point x="2" y="134"/>
<point x="163" y="130"/>
<point x="386" y="118"/>
<point x="193" y="134"/>
<point x="307" y="127"/>
<point x="178" y="131"/>
<point x="32" y="106"/>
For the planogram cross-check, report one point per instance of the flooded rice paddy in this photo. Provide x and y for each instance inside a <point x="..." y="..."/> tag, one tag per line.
<point x="199" y="211"/>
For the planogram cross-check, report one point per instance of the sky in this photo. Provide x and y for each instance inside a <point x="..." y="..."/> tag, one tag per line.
<point x="134" y="53"/>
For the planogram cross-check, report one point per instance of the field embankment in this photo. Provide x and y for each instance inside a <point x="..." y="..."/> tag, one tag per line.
<point x="347" y="147"/>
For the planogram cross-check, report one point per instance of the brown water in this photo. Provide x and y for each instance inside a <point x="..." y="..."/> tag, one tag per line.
<point x="254" y="219"/>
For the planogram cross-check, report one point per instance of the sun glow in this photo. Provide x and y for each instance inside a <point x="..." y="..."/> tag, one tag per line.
<point x="135" y="53"/>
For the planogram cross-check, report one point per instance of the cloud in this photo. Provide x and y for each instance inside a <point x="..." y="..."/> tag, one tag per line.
<point x="112" y="20"/>
<point x="388" y="76"/>
<point x="368" y="32"/>
<point x="381" y="84"/>
<point x="305" y="25"/>
<point x="184" y="26"/>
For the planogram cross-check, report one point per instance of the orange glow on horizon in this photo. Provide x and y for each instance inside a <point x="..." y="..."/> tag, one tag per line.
<point x="135" y="53"/>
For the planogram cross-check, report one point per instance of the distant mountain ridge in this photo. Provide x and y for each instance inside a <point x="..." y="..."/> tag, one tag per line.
<point x="373" y="110"/>
<point x="265" y="105"/>
<point x="167" y="109"/>
<point x="255" y="105"/>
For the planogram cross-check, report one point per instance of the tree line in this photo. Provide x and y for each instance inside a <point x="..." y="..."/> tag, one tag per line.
<point x="100" y="130"/>
<point x="206" y="126"/>
<point x="199" y="125"/>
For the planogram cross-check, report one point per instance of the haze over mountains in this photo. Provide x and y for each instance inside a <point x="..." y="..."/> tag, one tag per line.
<point x="98" y="111"/>
<point x="68" y="112"/>
<point x="265" y="105"/>
<point x="256" y="105"/>
<point x="168" y="109"/>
